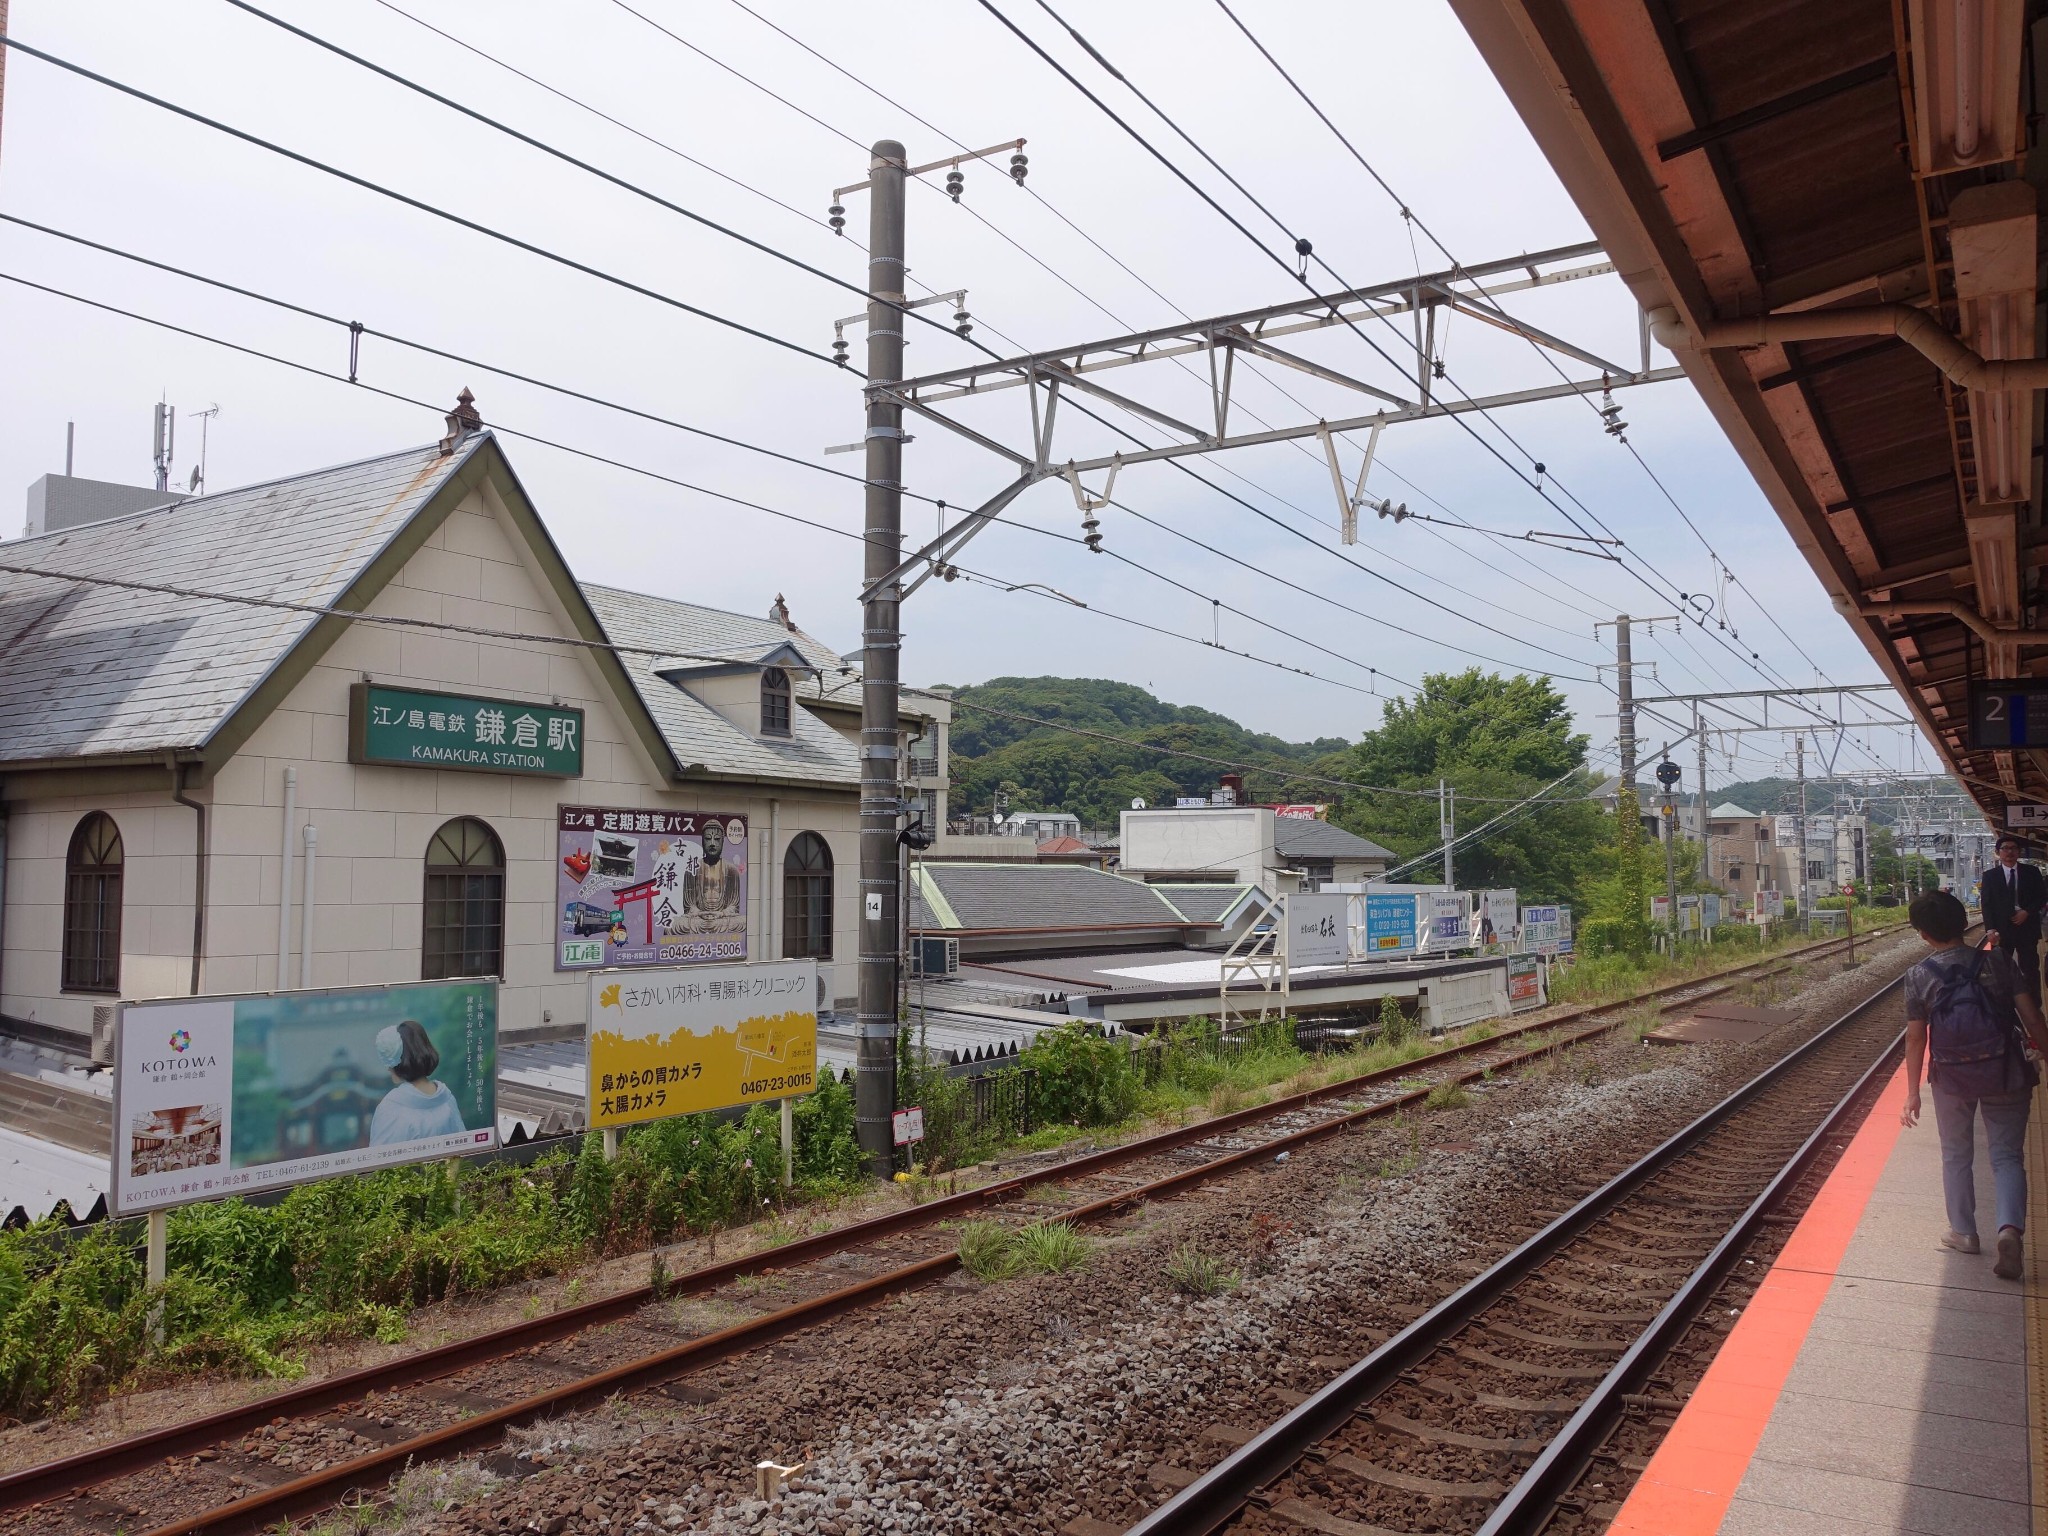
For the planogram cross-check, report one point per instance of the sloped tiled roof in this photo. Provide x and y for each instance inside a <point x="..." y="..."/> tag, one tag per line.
<point x="1040" y="896"/>
<point x="696" y="733"/>
<point x="1303" y="837"/>
<point x="96" y="670"/>
<point x="1728" y="808"/>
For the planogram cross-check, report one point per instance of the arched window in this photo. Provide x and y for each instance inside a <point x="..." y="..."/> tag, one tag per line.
<point x="465" y="903"/>
<point x="774" y="702"/>
<point x="92" y="907"/>
<point x="807" y="899"/>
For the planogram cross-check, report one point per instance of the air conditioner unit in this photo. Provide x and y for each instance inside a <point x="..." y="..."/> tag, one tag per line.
<point x="103" y="1016"/>
<point x="935" y="957"/>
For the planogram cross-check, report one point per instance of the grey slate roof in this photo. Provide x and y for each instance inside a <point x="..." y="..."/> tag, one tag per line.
<point x="1014" y="896"/>
<point x="1301" y="837"/>
<point x="91" y="670"/>
<point x="698" y="734"/>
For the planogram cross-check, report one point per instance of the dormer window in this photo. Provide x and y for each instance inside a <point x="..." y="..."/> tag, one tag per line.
<point x="774" y="702"/>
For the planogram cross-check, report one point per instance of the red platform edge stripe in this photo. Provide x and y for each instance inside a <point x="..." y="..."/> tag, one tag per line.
<point x="1690" y="1482"/>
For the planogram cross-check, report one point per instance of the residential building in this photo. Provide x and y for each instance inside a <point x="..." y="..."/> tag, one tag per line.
<point x="1245" y="844"/>
<point x="467" y="779"/>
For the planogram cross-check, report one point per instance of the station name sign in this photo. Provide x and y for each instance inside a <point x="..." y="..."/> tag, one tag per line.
<point x="413" y="728"/>
<point x="2008" y="713"/>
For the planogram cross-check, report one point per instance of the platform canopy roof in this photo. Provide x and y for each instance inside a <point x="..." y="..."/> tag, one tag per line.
<point x="1829" y="210"/>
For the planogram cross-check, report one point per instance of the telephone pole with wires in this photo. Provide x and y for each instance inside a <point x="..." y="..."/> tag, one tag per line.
<point x="882" y="791"/>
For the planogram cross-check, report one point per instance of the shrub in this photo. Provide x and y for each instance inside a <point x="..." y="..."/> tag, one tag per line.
<point x="1395" y="1025"/>
<point x="1083" y="1077"/>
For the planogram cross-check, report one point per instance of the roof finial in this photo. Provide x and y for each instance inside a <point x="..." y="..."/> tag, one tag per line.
<point x="462" y="421"/>
<point x="779" y="613"/>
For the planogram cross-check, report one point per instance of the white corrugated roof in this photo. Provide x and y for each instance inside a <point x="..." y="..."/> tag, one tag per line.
<point x="91" y="669"/>
<point x="698" y="734"/>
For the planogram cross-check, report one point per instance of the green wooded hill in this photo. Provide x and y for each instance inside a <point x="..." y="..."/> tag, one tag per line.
<point x="1885" y="801"/>
<point x="1054" y="770"/>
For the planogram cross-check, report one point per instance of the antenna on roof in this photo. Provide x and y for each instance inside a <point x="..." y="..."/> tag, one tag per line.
<point x="166" y="437"/>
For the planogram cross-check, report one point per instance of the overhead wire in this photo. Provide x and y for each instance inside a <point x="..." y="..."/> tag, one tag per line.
<point x="1031" y="256"/>
<point x="741" y="501"/>
<point x="1305" y="253"/>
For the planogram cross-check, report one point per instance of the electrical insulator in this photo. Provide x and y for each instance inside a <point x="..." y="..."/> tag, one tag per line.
<point x="838" y="218"/>
<point x="839" y="350"/>
<point x="1019" y="165"/>
<point x="1091" y="533"/>
<point x="960" y="325"/>
<point x="949" y="572"/>
<point x="1610" y="414"/>
<point x="955" y="184"/>
<point x="1303" y="250"/>
<point x="1387" y="508"/>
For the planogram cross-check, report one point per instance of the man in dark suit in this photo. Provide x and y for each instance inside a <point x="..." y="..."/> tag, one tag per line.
<point x="2013" y="895"/>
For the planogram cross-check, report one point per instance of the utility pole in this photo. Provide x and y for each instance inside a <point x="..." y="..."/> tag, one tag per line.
<point x="1799" y="758"/>
<point x="874" y="1092"/>
<point x="1625" y="695"/>
<point x="1699" y="795"/>
<point x="1446" y="825"/>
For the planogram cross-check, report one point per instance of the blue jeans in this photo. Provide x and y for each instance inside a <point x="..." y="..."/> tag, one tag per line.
<point x="2005" y="1128"/>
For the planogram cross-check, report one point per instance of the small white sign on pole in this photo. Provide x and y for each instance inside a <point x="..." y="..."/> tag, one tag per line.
<point x="908" y="1125"/>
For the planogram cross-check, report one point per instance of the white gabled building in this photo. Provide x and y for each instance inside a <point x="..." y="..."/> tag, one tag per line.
<point x="146" y="738"/>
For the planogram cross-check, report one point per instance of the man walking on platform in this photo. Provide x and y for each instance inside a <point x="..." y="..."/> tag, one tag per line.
<point x="2012" y="896"/>
<point x="1968" y="1022"/>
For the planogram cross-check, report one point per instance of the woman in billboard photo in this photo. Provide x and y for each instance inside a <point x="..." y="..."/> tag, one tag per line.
<point x="419" y="1106"/>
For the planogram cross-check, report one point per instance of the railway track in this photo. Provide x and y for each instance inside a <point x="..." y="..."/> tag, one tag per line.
<point x="1492" y="1411"/>
<point x="306" y="1448"/>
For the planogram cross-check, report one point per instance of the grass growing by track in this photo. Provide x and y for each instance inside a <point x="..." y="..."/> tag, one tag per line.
<point x="991" y="1251"/>
<point x="252" y="1287"/>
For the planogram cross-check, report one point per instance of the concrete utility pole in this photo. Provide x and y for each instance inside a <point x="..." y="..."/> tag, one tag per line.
<point x="1699" y="792"/>
<point x="1447" y="825"/>
<point x="1625" y="694"/>
<point x="874" y="1092"/>
<point x="1799" y="758"/>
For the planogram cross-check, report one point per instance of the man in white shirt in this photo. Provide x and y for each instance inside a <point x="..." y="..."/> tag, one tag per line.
<point x="2012" y="895"/>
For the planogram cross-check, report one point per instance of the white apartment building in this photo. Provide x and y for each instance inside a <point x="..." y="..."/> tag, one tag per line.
<point x="499" y="771"/>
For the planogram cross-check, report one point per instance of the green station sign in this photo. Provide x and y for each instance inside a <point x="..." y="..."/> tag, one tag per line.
<point x="412" y="728"/>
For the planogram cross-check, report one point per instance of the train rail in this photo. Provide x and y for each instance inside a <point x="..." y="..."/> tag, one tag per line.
<point x="247" y="1468"/>
<point x="1486" y="1412"/>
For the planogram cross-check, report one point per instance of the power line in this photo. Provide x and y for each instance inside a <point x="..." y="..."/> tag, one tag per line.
<point x="417" y="204"/>
<point x="776" y="512"/>
<point x="1062" y="278"/>
<point x="1305" y="253"/>
<point x="598" y="171"/>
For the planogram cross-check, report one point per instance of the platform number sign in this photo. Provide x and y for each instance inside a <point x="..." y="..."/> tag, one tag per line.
<point x="2008" y="713"/>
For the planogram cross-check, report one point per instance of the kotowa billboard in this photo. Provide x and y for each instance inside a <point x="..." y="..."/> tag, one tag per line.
<point x="219" y="1096"/>
<point x="1389" y="924"/>
<point x="675" y="1042"/>
<point x="649" y="887"/>
<point x="1316" y="928"/>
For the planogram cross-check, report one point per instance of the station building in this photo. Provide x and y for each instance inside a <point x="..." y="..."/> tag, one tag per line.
<point x="458" y="765"/>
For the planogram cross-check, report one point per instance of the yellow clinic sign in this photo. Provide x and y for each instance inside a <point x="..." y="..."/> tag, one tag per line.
<point x="689" y="1038"/>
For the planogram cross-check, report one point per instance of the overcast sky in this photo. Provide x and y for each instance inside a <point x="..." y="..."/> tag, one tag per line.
<point x="1110" y="242"/>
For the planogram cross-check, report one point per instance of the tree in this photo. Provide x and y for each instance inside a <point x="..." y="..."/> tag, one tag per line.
<point x="1620" y="902"/>
<point x="1497" y="741"/>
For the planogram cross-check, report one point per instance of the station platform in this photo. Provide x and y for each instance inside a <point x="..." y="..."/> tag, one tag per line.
<point x="1877" y="1383"/>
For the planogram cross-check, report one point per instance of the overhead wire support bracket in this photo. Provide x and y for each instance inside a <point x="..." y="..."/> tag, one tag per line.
<point x="1348" y="504"/>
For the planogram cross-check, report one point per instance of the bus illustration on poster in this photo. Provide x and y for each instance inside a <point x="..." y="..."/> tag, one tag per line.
<point x="638" y="888"/>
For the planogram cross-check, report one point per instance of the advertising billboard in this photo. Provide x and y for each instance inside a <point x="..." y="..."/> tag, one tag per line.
<point x="1316" y="928"/>
<point x="674" y="1042"/>
<point x="1390" y="924"/>
<point x="635" y="887"/>
<point x="220" y="1096"/>
<point x="1450" y="925"/>
<point x="1494" y="917"/>
<point x="1543" y="929"/>
<point x="1525" y="982"/>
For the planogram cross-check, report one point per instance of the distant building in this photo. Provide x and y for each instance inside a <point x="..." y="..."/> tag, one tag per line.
<point x="57" y="502"/>
<point x="1246" y="844"/>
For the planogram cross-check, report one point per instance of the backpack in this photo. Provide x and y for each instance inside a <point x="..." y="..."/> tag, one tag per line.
<point x="1972" y="1042"/>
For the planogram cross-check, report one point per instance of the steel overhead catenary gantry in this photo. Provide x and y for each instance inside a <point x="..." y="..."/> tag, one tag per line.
<point x="1424" y="301"/>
